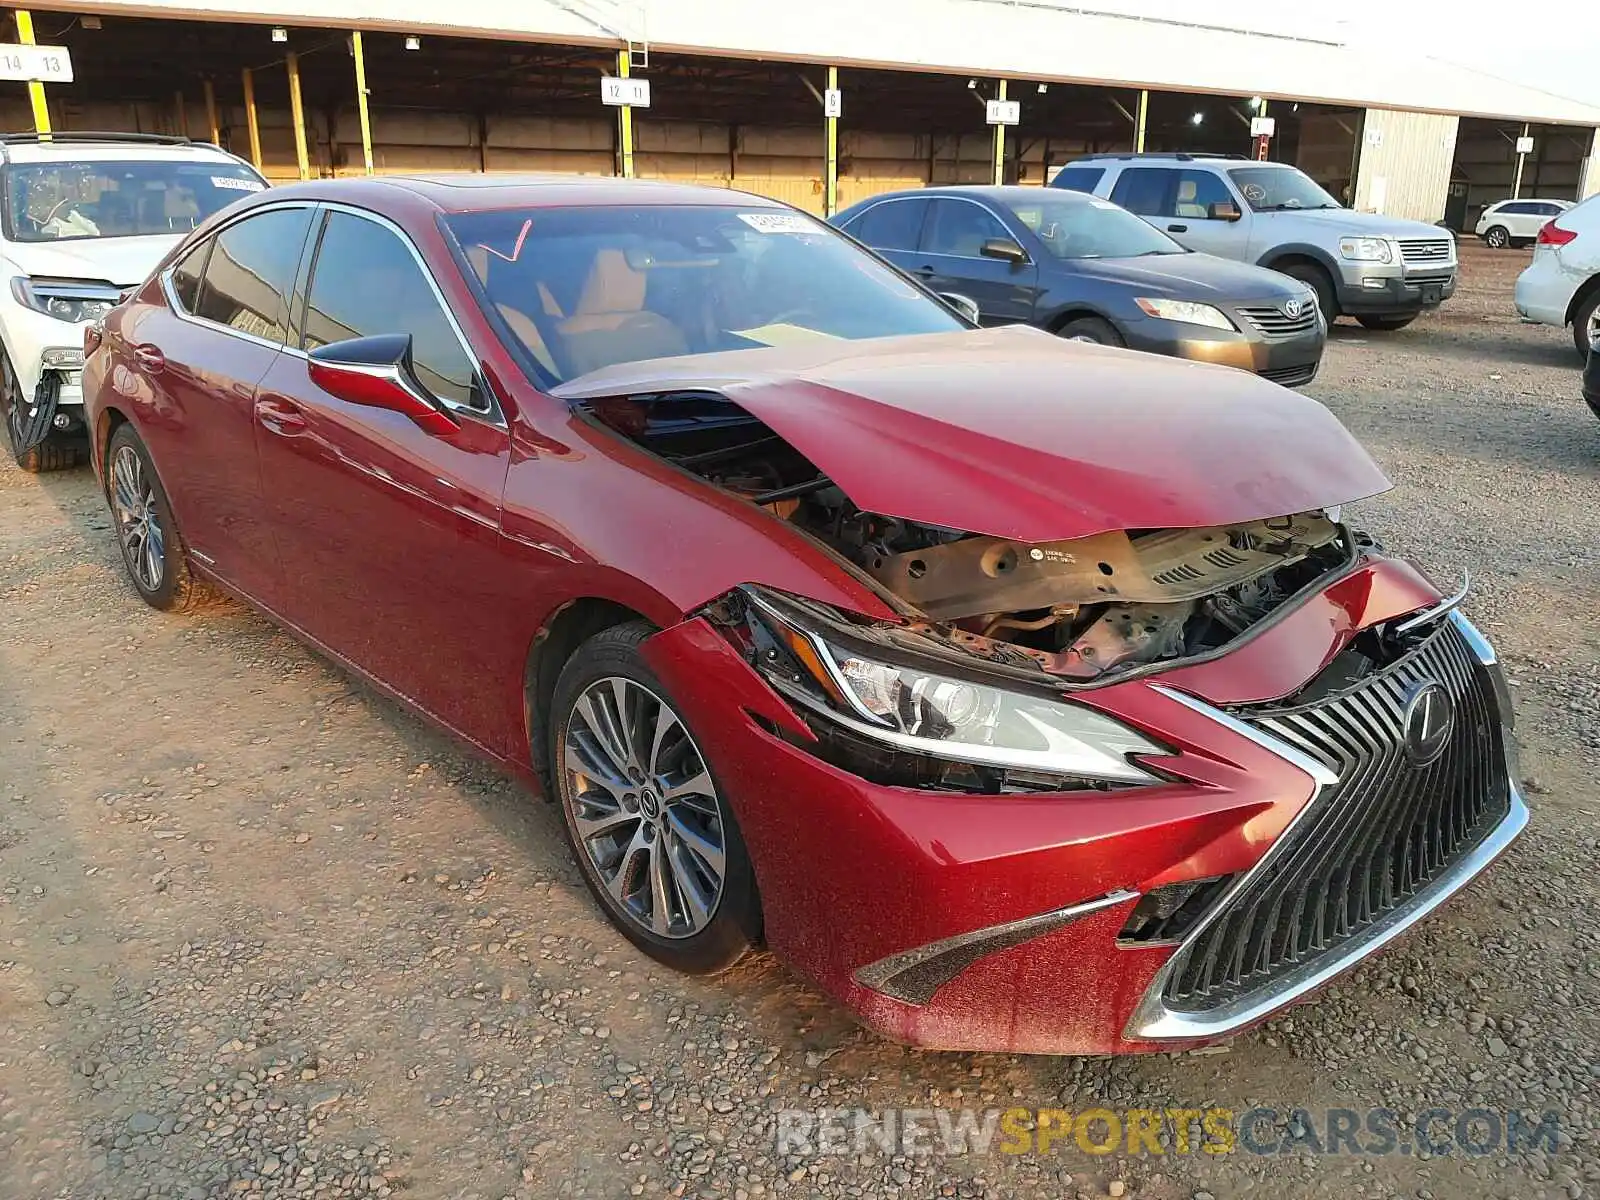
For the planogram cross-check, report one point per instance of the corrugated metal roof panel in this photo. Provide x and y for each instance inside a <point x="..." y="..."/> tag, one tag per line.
<point x="1029" y="39"/>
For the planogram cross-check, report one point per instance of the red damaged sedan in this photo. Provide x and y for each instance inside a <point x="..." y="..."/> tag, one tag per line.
<point x="1026" y="695"/>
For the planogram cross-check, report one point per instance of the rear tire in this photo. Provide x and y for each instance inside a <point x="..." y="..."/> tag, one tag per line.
<point x="638" y="798"/>
<point x="1586" y="323"/>
<point x="1091" y="329"/>
<point x="1497" y="237"/>
<point x="1320" y="282"/>
<point x="56" y="452"/>
<point x="1388" y="324"/>
<point x="153" y="551"/>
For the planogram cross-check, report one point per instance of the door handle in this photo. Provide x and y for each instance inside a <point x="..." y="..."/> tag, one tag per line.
<point x="150" y="358"/>
<point x="281" y="416"/>
<point x="1177" y="229"/>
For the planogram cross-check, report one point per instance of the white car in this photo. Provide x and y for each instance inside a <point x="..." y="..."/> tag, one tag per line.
<point x="83" y="217"/>
<point x="1513" y="222"/>
<point x="1562" y="284"/>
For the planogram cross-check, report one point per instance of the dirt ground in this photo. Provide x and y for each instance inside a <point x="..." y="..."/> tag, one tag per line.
<point x="261" y="933"/>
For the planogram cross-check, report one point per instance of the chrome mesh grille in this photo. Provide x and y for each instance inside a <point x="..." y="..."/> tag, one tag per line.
<point x="1372" y="841"/>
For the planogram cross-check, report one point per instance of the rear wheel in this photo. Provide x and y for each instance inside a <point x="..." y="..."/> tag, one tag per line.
<point x="652" y="830"/>
<point x="152" y="548"/>
<point x="1091" y="329"/>
<point x="1387" y="322"/>
<point x="1586" y="323"/>
<point x="56" y="452"/>
<point x="1497" y="237"/>
<point x="1319" y="281"/>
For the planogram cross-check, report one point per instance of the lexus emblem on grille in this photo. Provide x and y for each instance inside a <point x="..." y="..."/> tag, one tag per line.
<point x="1291" y="309"/>
<point x="1428" y="720"/>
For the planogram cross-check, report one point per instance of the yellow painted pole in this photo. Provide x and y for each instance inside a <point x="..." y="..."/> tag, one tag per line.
<point x="830" y="192"/>
<point x="1141" y="120"/>
<point x="297" y="114"/>
<point x="41" y="110"/>
<point x="625" y="121"/>
<point x="1000" y="144"/>
<point x="250" y="118"/>
<point x="211" y="114"/>
<point x="361" y="99"/>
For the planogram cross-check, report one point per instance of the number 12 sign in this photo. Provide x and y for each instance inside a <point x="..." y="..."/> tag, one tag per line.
<point x="616" y="91"/>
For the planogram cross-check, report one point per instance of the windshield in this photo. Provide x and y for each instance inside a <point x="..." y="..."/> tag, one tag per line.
<point x="585" y="288"/>
<point x="1272" y="189"/>
<point x="61" y="201"/>
<point x="1073" y="227"/>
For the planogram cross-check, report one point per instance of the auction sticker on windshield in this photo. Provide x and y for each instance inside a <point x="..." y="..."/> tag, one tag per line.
<point x="778" y="223"/>
<point x="237" y="185"/>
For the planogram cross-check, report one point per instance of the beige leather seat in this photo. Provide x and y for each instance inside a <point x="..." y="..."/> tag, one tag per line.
<point x="1188" y="204"/>
<point x="521" y="324"/>
<point x="610" y="323"/>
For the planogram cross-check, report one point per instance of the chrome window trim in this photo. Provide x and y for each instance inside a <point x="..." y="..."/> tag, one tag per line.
<point x="495" y="414"/>
<point x="183" y="314"/>
<point x="1153" y="1020"/>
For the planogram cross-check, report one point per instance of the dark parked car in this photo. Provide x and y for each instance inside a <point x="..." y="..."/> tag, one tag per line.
<point x="1086" y="269"/>
<point x="1025" y="695"/>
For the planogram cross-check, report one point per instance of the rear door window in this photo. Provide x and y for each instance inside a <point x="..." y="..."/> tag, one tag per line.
<point x="891" y="225"/>
<point x="1144" y="190"/>
<point x="250" y="271"/>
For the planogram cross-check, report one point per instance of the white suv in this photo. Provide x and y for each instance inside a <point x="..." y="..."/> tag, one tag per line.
<point x="84" y="216"/>
<point x="1562" y="284"/>
<point x="1509" y="222"/>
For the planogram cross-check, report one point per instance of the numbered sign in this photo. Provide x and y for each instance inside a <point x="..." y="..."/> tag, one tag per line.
<point x="1263" y="126"/>
<point x="833" y="103"/>
<point x="1524" y="145"/>
<point x="615" y="91"/>
<point x="1004" y="112"/>
<point x="47" y="64"/>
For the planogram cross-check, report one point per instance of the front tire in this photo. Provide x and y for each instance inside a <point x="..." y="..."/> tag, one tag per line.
<point x="1320" y="282"/>
<point x="1388" y="324"/>
<point x="1091" y="329"/>
<point x="1586" y="323"/>
<point x="652" y="831"/>
<point x="153" y="551"/>
<point x="56" y="452"/>
<point x="1497" y="237"/>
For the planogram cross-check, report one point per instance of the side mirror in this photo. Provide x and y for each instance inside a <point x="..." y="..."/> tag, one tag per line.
<point x="1223" y="210"/>
<point x="1005" y="250"/>
<point x="376" y="372"/>
<point x="965" y="305"/>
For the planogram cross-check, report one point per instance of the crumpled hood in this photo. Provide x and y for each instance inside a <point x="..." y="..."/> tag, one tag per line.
<point x="122" y="261"/>
<point x="1015" y="433"/>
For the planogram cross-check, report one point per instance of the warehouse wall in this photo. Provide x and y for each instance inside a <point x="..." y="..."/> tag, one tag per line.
<point x="1404" y="167"/>
<point x="1589" y="184"/>
<point x="1486" y="163"/>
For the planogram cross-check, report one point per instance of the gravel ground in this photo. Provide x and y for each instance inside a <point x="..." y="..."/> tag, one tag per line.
<point x="261" y="933"/>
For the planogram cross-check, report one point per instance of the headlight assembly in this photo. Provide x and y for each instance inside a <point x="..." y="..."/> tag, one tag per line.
<point x="1366" y="249"/>
<point x="911" y="724"/>
<point x="70" y="300"/>
<point x="1189" y="311"/>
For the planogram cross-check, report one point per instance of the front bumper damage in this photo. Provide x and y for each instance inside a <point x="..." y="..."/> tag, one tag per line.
<point x="1012" y="922"/>
<point x="37" y="417"/>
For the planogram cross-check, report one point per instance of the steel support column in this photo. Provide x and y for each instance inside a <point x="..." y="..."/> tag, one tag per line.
<point x="830" y="184"/>
<point x="1000" y="143"/>
<point x="359" y="53"/>
<point x="1141" y="120"/>
<point x="41" y="110"/>
<point x="297" y="114"/>
<point x="624" y="123"/>
<point x="251" y="120"/>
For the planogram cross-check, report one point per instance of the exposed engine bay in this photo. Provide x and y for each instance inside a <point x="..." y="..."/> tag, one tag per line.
<point x="1076" y="608"/>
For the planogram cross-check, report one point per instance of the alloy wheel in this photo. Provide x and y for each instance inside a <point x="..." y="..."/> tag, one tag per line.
<point x="1497" y="238"/>
<point x="133" y="500"/>
<point x="1593" y="328"/>
<point x="643" y="808"/>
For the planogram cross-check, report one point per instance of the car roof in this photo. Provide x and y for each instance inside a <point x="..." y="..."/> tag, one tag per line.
<point x="112" y="150"/>
<point x="1013" y="193"/>
<point x="466" y="192"/>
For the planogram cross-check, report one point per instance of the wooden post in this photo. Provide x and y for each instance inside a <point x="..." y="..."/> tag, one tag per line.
<point x="624" y="122"/>
<point x="180" y="114"/>
<point x="297" y="114"/>
<point x="250" y="118"/>
<point x="211" y="114"/>
<point x="361" y="99"/>
<point x="830" y="184"/>
<point x="41" y="110"/>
